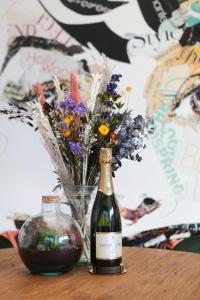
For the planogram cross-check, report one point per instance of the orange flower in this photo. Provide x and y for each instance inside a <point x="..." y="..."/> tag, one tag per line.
<point x="104" y="129"/>
<point x="113" y="136"/>
<point x="67" y="132"/>
<point x="69" y="119"/>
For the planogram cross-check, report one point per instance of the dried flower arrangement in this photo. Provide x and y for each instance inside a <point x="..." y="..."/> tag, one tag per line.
<point x="77" y="122"/>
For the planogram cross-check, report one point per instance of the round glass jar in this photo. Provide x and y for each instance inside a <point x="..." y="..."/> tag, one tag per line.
<point x="51" y="242"/>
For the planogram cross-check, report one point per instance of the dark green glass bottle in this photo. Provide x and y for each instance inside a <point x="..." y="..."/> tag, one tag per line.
<point x="106" y="236"/>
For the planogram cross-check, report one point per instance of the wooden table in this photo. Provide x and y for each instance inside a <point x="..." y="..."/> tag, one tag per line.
<point x="152" y="274"/>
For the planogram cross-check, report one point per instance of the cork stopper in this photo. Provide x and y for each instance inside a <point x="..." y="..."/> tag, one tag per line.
<point x="50" y="199"/>
<point x="105" y="155"/>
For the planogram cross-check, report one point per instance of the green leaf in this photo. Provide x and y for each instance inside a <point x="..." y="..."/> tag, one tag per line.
<point x="119" y="105"/>
<point x="115" y="97"/>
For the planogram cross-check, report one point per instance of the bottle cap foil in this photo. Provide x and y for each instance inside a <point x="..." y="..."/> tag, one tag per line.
<point x="105" y="155"/>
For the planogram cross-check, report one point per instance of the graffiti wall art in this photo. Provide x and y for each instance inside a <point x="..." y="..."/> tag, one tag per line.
<point x="156" y="44"/>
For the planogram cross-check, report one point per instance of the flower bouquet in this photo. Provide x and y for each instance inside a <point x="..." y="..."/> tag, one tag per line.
<point x="75" y="122"/>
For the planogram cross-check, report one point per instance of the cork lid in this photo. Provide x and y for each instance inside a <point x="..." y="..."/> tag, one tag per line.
<point x="50" y="199"/>
<point x="105" y="155"/>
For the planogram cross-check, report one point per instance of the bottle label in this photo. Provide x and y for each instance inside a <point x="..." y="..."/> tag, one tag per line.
<point x="108" y="245"/>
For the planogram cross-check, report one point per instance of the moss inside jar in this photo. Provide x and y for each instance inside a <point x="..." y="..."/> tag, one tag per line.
<point x="50" y="243"/>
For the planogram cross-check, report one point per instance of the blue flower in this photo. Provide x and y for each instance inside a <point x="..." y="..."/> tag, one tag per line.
<point x="80" y="109"/>
<point x="109" y="103"/>
<point x="106" y="115"/>
<point x="111" y="88"/>
<point x="115" y="77"/>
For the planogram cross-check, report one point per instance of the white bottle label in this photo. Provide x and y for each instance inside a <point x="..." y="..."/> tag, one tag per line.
<point x="108" y="245"/>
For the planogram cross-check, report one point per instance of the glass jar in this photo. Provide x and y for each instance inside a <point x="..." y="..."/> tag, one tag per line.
<point x="51" y="242"/>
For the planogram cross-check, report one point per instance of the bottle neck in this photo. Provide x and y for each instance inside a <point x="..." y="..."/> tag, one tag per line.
<point x="105" y="180"/>
<point x="50" y="209"/>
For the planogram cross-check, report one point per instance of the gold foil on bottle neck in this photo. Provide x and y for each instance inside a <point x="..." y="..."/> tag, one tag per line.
<point x="105" y="155"/>
<point x="105" y="180"/>
<point x="50" y="199"/>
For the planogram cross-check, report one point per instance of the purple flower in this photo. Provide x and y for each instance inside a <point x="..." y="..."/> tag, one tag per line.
<point x="106" y="115"/>
<point x="111" y="88"/>
<point x="77" y="149"/>
<point x="115" y="77"/>
<point x="109" y="103"/>
<point x="80" y="109"/>
<point x="69" y="102"/>
<point x="62" y="124"/>
<point x="131" y="138"/>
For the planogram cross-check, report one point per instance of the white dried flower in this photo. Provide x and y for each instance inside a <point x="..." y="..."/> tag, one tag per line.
<point x="59" y="92"/>
<point x="95" y="89"/>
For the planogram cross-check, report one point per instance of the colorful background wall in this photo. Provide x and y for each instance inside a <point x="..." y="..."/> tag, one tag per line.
<point x="154" y="44"/>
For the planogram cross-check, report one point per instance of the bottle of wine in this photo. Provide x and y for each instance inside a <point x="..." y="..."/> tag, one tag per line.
<point x="106" y="236"/>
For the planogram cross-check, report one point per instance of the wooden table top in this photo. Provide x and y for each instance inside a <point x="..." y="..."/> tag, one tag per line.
<point x="152" y="275"/>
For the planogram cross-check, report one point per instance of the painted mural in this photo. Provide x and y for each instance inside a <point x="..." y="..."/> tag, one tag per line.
<point x="156" y="44"/>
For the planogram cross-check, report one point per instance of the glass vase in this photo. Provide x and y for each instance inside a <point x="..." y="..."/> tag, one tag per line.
<point x="80" y="198"/>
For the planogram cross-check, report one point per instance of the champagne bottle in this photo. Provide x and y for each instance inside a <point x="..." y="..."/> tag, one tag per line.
<point x="106" y="236"/>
